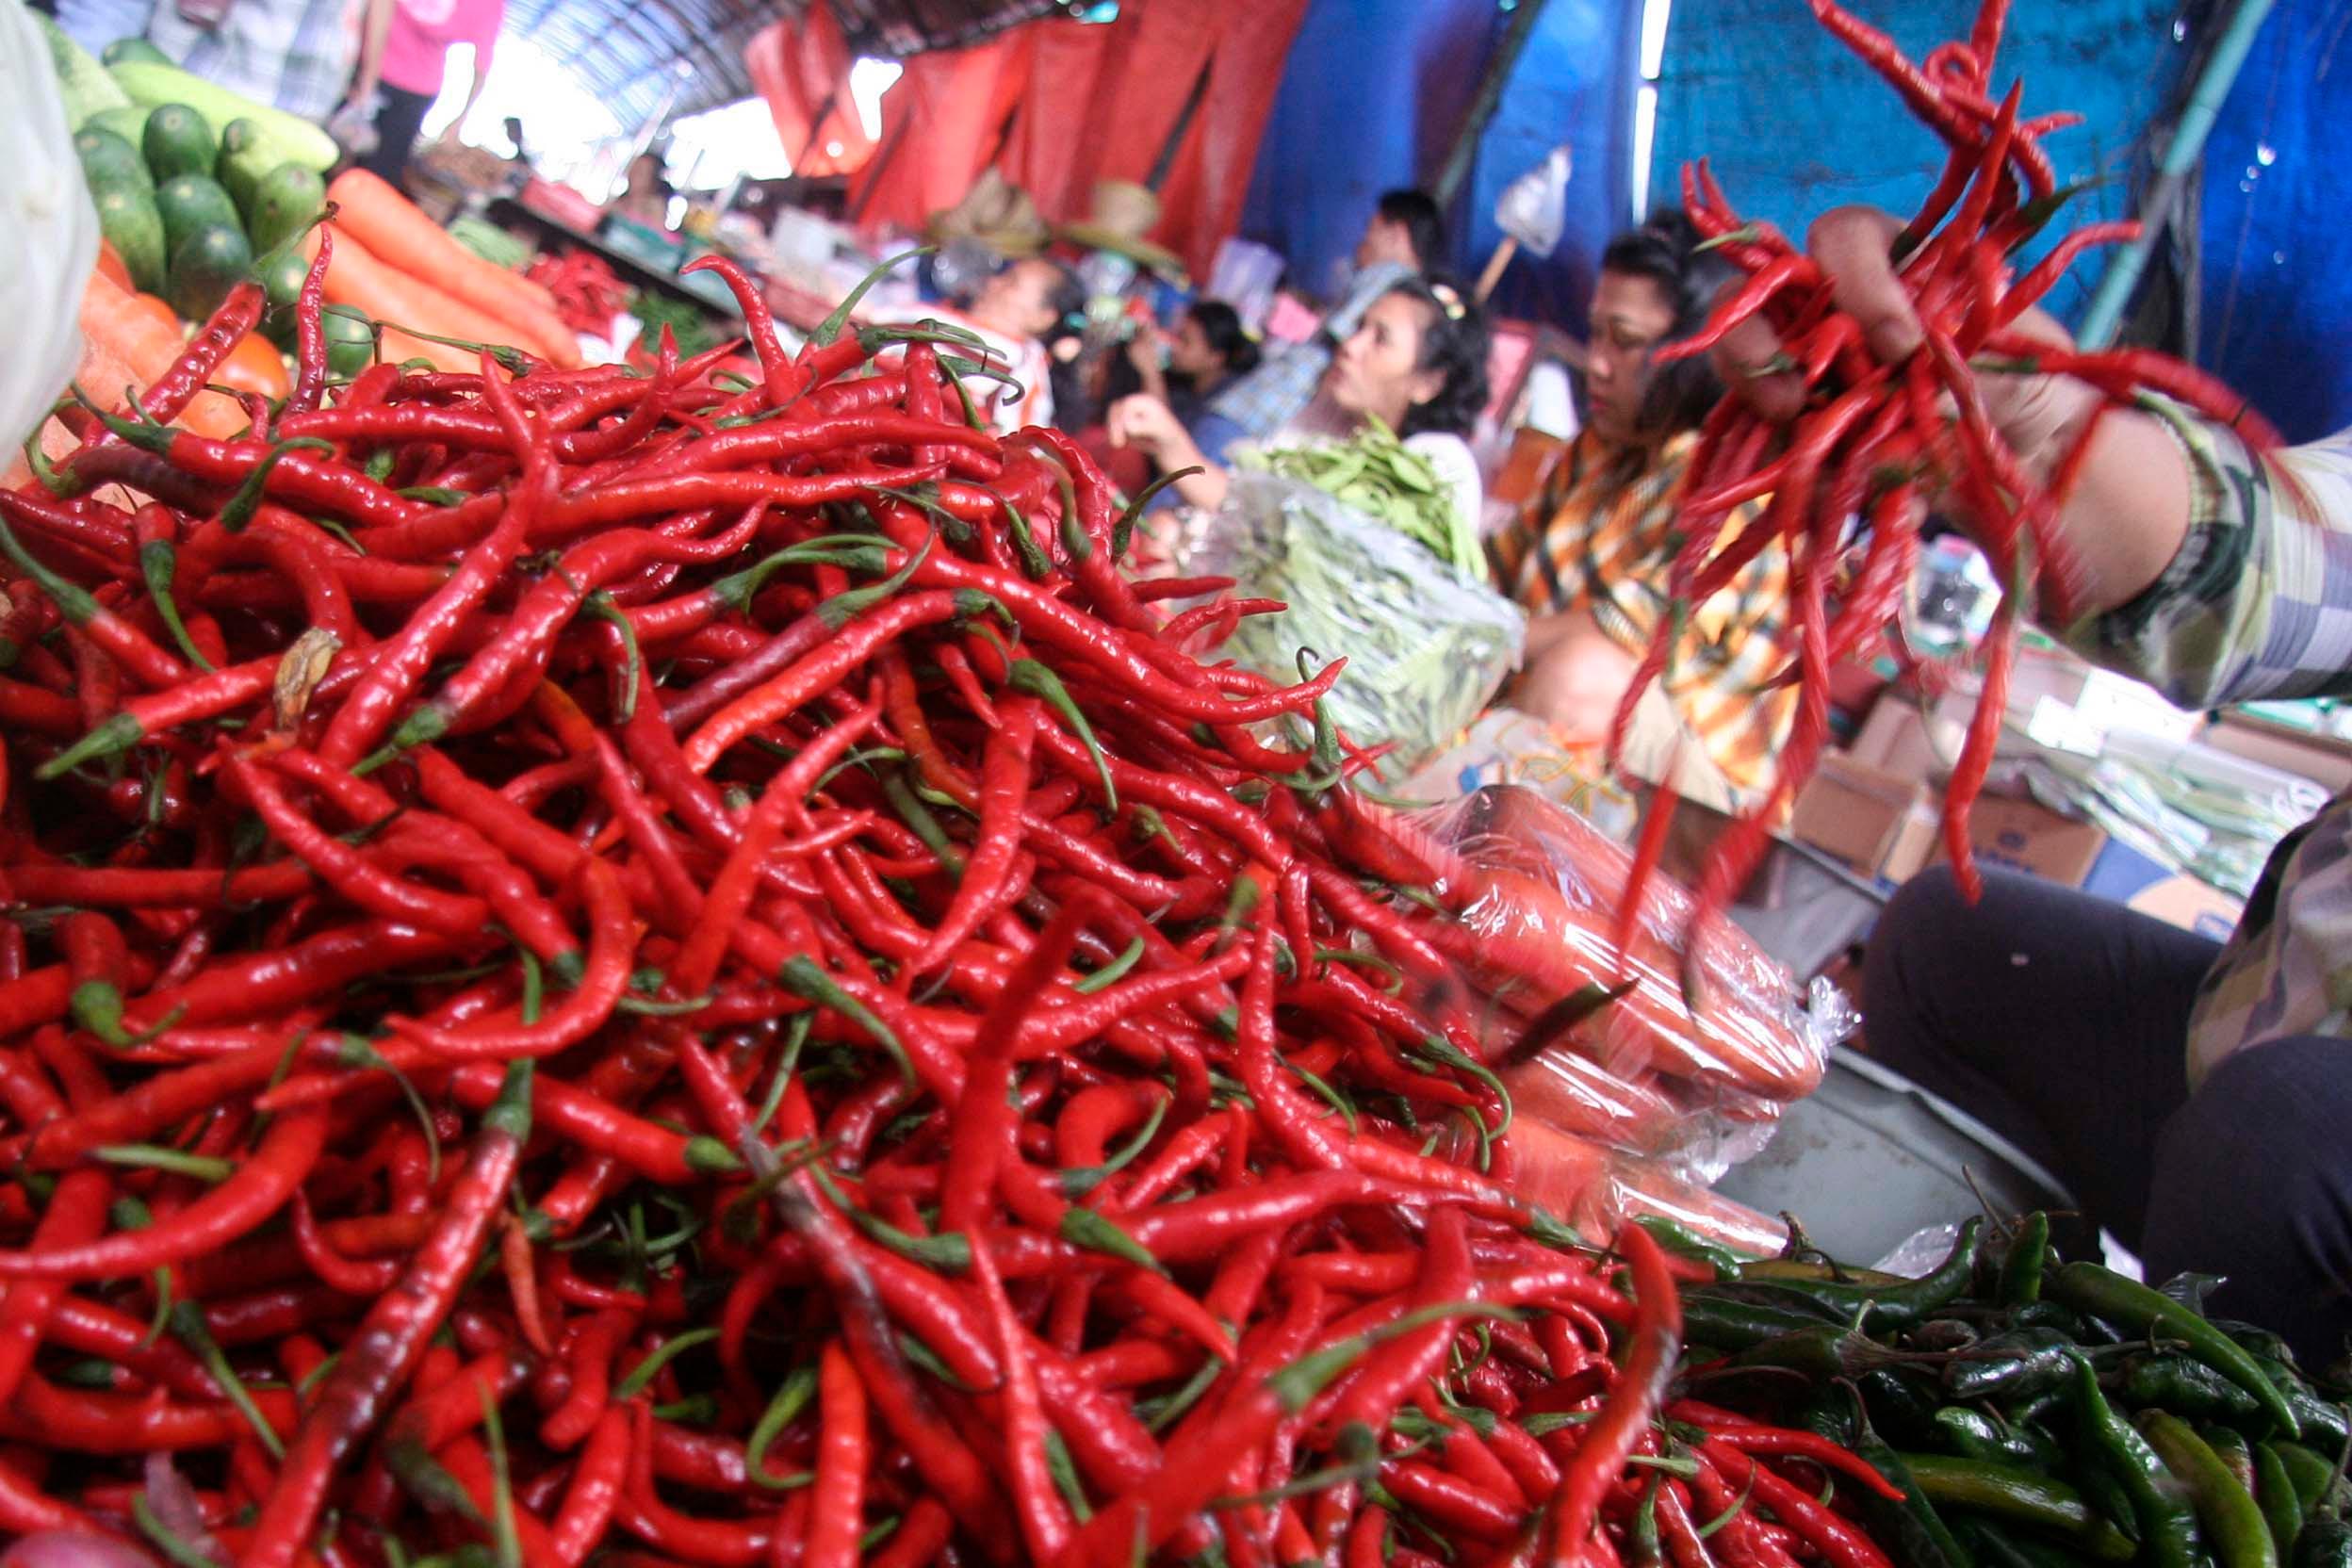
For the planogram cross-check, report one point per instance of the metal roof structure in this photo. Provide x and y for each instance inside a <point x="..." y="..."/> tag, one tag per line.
<point x="630" y="52"/>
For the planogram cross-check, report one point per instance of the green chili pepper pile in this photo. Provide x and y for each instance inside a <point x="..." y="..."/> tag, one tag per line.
<point x="2032" y="1414"/>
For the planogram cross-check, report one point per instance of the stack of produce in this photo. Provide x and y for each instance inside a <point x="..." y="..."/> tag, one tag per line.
<point x="429" y="297"/>
<point x="196" y="189"/>
<point x="2027" y="1412"/>
<point x="586" y="293"/>
<point x="621" y="960"/>
<point x="1380" y="476"/>
<point x="194" y="184"/>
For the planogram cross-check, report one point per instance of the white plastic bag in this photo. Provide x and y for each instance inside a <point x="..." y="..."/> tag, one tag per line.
<point x="1426" y="651"/>
<point x="51" y="238"/>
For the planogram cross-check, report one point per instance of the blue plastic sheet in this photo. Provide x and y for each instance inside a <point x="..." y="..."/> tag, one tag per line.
<point x="2277" y="314"/>
<point x="1373" y="96"/>
<point x="1793" y="123"/>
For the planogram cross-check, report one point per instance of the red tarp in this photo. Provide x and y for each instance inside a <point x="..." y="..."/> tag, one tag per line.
<point x="1057" y="106"/>
<point x="804" y="75"/>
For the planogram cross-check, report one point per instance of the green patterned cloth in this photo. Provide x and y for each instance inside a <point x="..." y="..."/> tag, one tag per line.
<point x="2258" y="604"/>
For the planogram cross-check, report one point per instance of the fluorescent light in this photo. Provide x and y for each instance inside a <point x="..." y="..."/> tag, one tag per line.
<point x="868" y="79"/>
<point x="1654" y="15"/>
<point x="1644" y="139"/>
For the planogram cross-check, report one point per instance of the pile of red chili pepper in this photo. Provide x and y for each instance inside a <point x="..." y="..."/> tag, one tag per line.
<point x="681" y="967"/>
<point x="1849" y="478"/>
<point x="588" y="294"/>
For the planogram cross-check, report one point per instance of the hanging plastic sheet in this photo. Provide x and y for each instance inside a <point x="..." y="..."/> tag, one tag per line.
<point x="1208" y="183"/>
<point x="803" y="73"/>
<point x="941" y="124"/>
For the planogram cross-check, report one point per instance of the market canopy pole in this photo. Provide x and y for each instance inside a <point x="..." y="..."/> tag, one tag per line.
<point x="2188" y="139"/>
<point x="1498" y="69"/>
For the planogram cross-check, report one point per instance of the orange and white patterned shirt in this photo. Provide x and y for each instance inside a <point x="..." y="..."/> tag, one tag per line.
<point x="1600" y="537"/>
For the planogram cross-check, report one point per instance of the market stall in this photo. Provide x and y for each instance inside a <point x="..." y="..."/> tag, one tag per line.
<point x="631" y="932"/>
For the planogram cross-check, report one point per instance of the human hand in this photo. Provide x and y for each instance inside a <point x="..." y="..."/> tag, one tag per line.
<point x="2034" y="414"/>
<point x="1148" y="425"/>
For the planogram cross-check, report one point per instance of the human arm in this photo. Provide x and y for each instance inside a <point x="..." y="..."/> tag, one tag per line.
<point x="1147" y="424"/>
<point x="482" y="25"/>
<point x="473" y="94"/>
<point x="2200" y="571"/>
<point x="375" y="25"/>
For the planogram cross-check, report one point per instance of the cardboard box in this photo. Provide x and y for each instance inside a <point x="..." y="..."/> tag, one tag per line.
<point x="2026" y="837"/>
<point x="1894" y="740"/>
<point x="2323" y="758"/>
<point x="1880" y="824"/>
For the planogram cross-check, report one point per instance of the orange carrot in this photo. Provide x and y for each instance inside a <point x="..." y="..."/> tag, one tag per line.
<point x="401" y="235"/>
<point x="357" y="277"/>
<point x="114" y="322"/>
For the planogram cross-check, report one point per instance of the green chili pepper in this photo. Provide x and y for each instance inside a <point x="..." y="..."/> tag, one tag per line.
<point x="2131" y="1305"/>
<point x="2013" y="1365"/>
<point x="2314" y="1478"/>
<point x="1900" y="1305"/>
<point x="2020" y="1278"/>
<point x="1684" y="1242"/>
<point x="2168" y="1525"/>
<point x="2185" y="1386"/>
<point x="2282" y="1508"/>
<point x="1729" y="1325"/>
<point x="2227" y="1509"/>
<point x="2011" y="1493"/>
<point x="1972" y="1434"/>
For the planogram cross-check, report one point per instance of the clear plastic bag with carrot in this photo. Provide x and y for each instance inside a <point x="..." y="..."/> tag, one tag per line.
<point x="1627" y="1096"/>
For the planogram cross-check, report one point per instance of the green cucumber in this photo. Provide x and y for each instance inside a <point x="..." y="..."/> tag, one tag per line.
<point x="206" y="266"/>
<point x="127" y="217"/>
<point x="178" y="140"/>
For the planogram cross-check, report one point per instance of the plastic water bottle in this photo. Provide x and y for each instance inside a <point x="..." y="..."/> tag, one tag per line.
<point x="1954" y="594"/>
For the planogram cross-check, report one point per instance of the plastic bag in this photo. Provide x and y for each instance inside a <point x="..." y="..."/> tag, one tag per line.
<point x="1533" y="209"/>
<point x="1627" y="1105"/>
<point x="52" y="239"/>
<point x="1426" y="651"/>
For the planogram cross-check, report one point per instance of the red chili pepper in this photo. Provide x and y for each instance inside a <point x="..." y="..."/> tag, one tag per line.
<point x="395" y="1330"/>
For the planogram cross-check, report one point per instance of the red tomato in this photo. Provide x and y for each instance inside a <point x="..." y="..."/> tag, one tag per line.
<point x="110" y="267"/>
<point x="255" y="366"/>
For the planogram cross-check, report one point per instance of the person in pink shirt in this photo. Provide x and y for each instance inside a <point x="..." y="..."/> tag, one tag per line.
<point x="403" y="59"/>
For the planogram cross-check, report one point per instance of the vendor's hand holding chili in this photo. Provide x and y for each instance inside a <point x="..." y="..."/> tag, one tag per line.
<point x="2130" y="509"/>
<point x="2193" y="1096"/>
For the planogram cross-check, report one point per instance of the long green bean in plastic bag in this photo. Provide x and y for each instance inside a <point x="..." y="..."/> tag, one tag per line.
<point x="1426" y="650"/>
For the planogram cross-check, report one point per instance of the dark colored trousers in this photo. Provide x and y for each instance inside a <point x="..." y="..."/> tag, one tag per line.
<point x="2060" y="1020"/>
<point x="399" y="118"/>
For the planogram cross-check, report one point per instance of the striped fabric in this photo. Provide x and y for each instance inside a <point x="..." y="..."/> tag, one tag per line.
<point x="2258" y="605"/>
<point x="1599" y="538"/>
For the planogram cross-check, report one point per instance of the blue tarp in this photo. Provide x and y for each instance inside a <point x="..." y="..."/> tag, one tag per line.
<point x="2277" y="309"/>
<point x="1373" y="95"/>
<point x="1794" y="124"/>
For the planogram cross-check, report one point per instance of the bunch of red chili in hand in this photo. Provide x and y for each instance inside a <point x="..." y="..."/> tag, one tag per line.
<point x="1849" y="478"/>
<point x="636" y="961"/>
